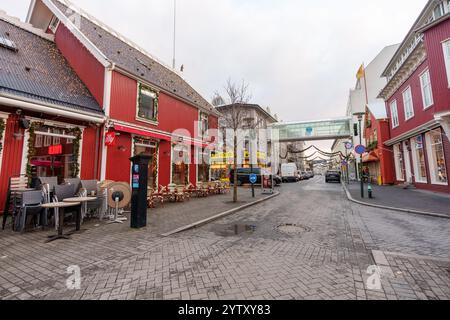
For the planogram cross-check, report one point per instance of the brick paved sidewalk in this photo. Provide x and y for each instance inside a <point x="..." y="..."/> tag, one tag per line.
<point x="397" y="197"/>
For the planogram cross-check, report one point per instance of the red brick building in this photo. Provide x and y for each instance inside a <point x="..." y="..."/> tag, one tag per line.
<point x="86" y="76"/>
<point x="378" y="159"/>
<point x="418" y="101"/>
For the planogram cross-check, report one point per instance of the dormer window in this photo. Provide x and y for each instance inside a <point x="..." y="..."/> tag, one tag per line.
<point x="54" y="23"/>
<point x="147" y="104"/>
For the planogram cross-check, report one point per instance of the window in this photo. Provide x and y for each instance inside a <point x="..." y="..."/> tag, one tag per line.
<point x="399" y="163"/>
<point x="47" y="141"/>
<point x="51" y="160"/>
<point x="54" y="24"/>
<point x="38" y="142"/>
<point x="203" y="164"/>
<point x="436" y="158"/>
<point x="180" y="164"/>
<point x="394" y="114"/>
<point x="446" y="47"/>
<point x="438" y="11"/>
<point x="408" y="103"/>
<point x="56" y="140"/>
<point x="203" y="124"/>
<point x="418" y="155"/>
<point x="8" y="44"/>
<point x="427" y="92"/>
<point x="147" y="104"/>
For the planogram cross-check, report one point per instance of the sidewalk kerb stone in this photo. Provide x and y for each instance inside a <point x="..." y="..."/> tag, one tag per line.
<point x="218" y="216"/>
<point x="417" y="212"/>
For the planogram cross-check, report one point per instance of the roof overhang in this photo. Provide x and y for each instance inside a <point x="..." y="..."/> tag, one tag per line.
<point x="51" y="109"/>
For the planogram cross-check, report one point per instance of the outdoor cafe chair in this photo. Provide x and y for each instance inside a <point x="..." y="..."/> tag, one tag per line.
<point x="91" y="188"/>
<point x="31" y="204"/>
<point x="52" y="182"/>
<point x="180" y="195"/>
<point x="75" y="182"/>
<point x="153" y="197"/>
<point x="16" y="185"/>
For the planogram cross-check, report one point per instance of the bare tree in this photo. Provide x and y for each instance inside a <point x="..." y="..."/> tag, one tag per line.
<point x="235" y="118"/>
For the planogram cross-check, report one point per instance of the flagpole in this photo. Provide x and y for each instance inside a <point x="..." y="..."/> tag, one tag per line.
<point x="365" y="84"/>
<point x="174" y="31"/>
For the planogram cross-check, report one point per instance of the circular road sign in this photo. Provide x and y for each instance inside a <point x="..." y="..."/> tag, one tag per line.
<point x="360" y="149"/>
<point x="349" y="146"/>
<point x="253" y="178"/>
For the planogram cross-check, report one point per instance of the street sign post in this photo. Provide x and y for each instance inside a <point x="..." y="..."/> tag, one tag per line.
<point x="253" y="178"/>
<point x="360" y="149"/>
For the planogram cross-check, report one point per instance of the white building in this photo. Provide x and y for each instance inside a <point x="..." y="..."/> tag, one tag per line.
<point x="366" y="91"/>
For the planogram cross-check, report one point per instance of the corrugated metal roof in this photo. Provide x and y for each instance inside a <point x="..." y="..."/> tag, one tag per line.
<point x="38" y="71"/>
<point x="134" y="60"/>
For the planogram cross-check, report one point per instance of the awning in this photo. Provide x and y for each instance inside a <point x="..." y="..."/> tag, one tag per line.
<point x="161" y="136"/>
<point x="143" y="133"/>
<point x="370" y="157"/>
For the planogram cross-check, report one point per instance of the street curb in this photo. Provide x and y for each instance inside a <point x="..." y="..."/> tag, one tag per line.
<point x="218" y="216"/>
<point x="422" y="213"/>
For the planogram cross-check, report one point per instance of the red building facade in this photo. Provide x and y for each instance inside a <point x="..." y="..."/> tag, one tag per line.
<point x="418" y="102"/>
<point x="378" y="159"/>
<point x="123" y="93"/>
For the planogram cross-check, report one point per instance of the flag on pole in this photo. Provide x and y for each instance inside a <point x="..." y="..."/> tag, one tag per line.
<point x="361" y="72"/>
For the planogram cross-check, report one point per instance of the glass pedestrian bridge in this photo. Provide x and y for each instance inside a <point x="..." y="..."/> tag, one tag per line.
<point x="312" y="130"/>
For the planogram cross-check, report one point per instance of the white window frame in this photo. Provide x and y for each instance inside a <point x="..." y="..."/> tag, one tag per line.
<point x="408" y="103"/>
<point x="54" y="24"/>
<point x="416" y="163"/>
<point x="398" y="168"/>
<point x="394" y="115"/>
<point x="446" y="50"/>
<point x="422" y="87"/>
<point x="431" y="161"/>
<point x="38" y="143"/>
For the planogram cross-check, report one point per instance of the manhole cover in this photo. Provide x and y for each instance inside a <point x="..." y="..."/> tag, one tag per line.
<point x="292" y="229"/>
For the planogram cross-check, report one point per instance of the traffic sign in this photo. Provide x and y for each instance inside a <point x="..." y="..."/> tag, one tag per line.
<point x="253" y="178"/>
<point x="349" y="146"/>
<point x="360" y="149"/>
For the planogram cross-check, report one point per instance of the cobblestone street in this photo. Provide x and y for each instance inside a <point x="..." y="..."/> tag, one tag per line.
<point x="308" y="243"/>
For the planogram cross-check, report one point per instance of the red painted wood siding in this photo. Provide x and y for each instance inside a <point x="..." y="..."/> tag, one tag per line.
<point x="88" y="154"/>
<point x="90" y="71"/>
<point x="421" y="116"/>
<point x="164" y="163"/>
<point x="433" y="42"/>
<point x="118" y="165"/>
<point x="12" y="157"/>
<point x="173" y="114"/>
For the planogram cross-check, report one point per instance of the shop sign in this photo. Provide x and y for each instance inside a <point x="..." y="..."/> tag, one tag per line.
<point x="110" y="139"/>
<point x="55" y="150"/>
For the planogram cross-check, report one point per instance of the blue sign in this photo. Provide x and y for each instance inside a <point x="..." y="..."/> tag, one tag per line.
<point x="344" y="163"/>
<point x="253" y="178"/>
<point x="360" y="149"/>
<point x="349" y="146"/>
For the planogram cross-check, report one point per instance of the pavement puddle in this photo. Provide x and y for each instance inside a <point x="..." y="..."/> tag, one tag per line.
<point x="234" y="230"/>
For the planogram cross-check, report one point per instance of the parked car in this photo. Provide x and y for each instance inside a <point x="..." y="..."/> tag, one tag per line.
<point x="243" y="176"/>
<point x="304" y="175"/>
<point x="277" y="180"/>
<point x="333" y="175"/>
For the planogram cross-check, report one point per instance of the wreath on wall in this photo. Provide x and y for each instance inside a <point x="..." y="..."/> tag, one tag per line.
<point x="2" y="132"/>
<point x="76" y="143"/>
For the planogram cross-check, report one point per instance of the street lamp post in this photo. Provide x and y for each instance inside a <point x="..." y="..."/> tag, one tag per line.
<point x="360" y="118"/>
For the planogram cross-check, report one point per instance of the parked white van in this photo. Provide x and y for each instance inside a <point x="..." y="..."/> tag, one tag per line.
<point x="289" y="172"/>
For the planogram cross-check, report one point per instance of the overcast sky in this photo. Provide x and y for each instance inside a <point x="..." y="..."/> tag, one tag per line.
<point x="300" y="57"/>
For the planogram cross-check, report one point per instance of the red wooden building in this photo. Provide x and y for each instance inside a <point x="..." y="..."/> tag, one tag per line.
<point x="144" y="101"/>
<point x="378" y="159"/>
<point x="124" y="101"/>
<point x="418" y="101"/>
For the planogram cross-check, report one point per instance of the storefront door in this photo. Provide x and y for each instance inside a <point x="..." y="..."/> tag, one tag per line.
<point x="408" y="171"/>
<point x="149" y="148"/>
